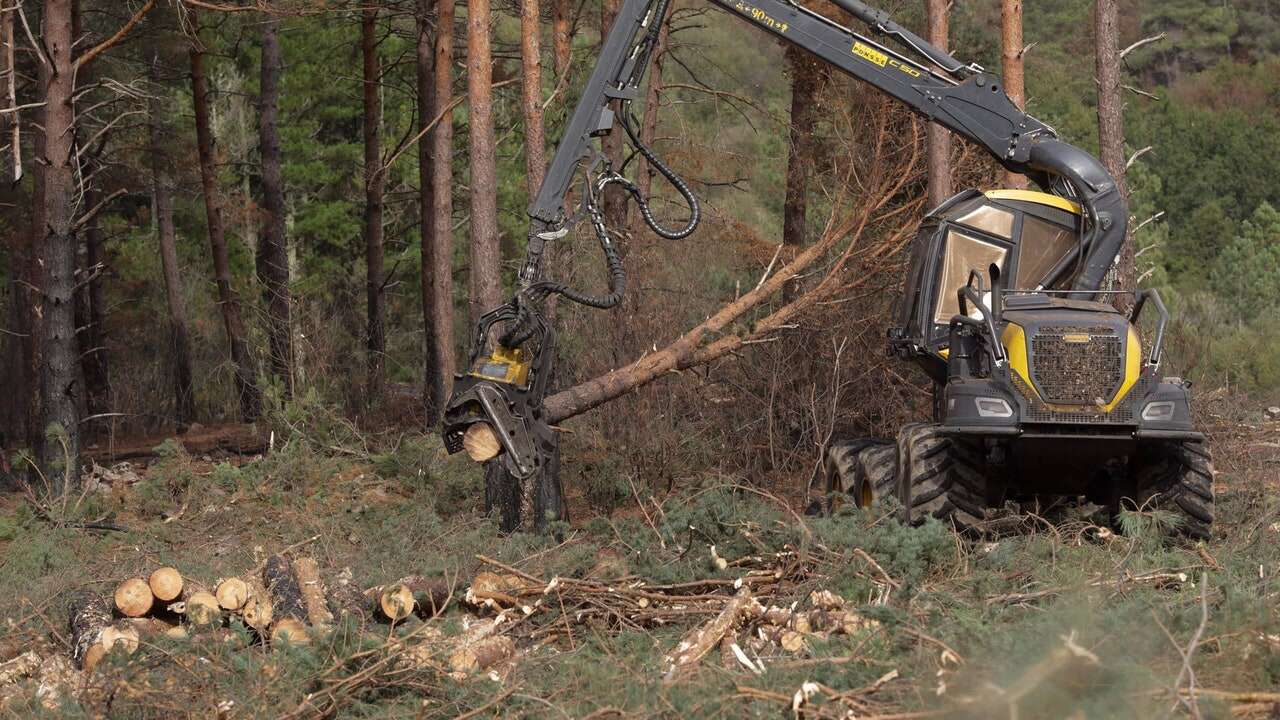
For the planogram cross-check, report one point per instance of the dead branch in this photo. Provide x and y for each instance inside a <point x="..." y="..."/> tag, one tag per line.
<point x="120" y="34"/>
<point x="1142" y="43"/>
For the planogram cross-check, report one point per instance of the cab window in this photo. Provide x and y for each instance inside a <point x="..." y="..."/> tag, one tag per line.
<point x="961" y="254"/>
<point x="1041" y="246"/>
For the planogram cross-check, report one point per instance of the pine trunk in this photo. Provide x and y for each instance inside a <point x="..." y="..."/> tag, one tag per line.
<point x="435" y="168"/>
<point x="940" y="188"/>
<point x="535" y="163"/>
<point x="804" y="97"/>
<point x="486" y="255"/>
<point x="273" y="253"/>
<point x="246" y="374"/>
<point x="58" y="359"/>
<point x="1014" y="79"/>
<point x="1111" y="119"/>
<point x="373" y="192"/>
<point x="97" y="378"/>
<point x="561" y="41"/>
<point x="162" y="190"/>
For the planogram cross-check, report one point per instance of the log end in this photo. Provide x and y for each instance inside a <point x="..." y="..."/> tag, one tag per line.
<point x="396" y="602"/>
<point x="291" y="631"/>
<point x="166" y="584"/>
<point x="133" y="597"/>
<point x="232" y="593"/>
<point x="481" y="442"/>
<point x="202" y="609"/>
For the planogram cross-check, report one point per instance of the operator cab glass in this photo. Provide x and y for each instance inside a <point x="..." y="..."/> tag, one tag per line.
<point x="1024" y="234"/>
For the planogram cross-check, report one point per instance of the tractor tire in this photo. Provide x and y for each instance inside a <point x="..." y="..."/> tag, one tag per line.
<point x="942" y="477"/>
<point x="845" y="471"/>
<point x="1177" y="477"/>
<point x="879" y="475"/>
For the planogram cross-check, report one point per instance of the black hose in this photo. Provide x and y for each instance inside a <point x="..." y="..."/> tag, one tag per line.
<point x="695" y="212"/>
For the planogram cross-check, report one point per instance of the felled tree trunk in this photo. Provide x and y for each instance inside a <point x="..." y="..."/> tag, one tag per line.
<point x="288" y="608"/>
<point x="88" y="614"/>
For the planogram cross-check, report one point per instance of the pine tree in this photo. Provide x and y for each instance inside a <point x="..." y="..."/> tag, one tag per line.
<point x="1247" y="271"/>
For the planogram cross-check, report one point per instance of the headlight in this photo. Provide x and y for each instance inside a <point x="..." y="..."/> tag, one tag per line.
<point x="1158" y="411"/>
<point x="993" y="408"/>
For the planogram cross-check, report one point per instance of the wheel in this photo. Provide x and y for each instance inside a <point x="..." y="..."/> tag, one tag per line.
<point x="879" y="477"/>
<point x="942" y="477"/>
<point x="502" y="493"/>
<point x="1177" y="477"/>
<point x="845" y="471"/>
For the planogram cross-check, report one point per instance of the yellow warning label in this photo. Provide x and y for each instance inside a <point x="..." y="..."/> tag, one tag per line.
<point x="870" y="54"/>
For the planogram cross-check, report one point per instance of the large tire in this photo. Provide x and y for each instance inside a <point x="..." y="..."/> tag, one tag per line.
<point x="846" y="470"/>
<point x="1177" y="477"/>
<point x="942" y="477"/>
<point x="879" y="475"/>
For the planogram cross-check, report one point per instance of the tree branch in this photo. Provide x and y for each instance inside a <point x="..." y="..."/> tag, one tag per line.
<point x="110" y="42"/>
<point x="1143" y="42"/>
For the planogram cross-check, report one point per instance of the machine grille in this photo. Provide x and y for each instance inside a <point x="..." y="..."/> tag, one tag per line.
<point x="1077" y="365"/>
<point x="1039" y="412"/>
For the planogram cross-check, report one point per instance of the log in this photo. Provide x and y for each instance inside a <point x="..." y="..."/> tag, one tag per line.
<point x="17" y="668"/>
<point x="232" y="593"/>
<point x="133" y="597"/>
<point x="482" y="655"/>
<point x="290" y="630"/>
<point x="166" y="584"/>
<point x="694" y="646"/>
<point x="481" y="442"/>
<point x="201" y="608"/>
<point x="314" y="597"/>
<point x="395" y="601"/>
<point x="119" y="638"/>
<point x="282" y="588"/>
<point x="87" y="615"/>
<point x="257" y="612"/>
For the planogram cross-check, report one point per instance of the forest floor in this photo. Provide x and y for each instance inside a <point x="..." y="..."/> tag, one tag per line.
<point x="857" y="616"/>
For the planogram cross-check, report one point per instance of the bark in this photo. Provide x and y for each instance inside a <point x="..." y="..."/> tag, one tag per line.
<point x="58" y="358"/>
<point x="373" y="192"/>
<point x="435" y="167"/>
<point x="1014" y="82"/>
<point x="228" y="300"/>
<point x="804" y="97"/>
<point x="273" y="253"/>
<point x="97" y="378"/>
<point x="940" y="187"/>
<point x="561" y="40"/>
<point x="162" y="189"/>
<point x="652" y="104"/>
<point x="1111" y="118"/>
<point x="87" y="615"/>
<point x="535" y="163"/>
<point x="486" y="256"/>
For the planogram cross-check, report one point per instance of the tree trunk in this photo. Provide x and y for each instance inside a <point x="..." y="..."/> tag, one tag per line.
<point x="940" y="188"/>
<point x="373" y="191"/>
<point x="162" y="190"/>
<point x="1111" y="118"/>
<point x="1014" y="82"/>
<point x="615" y="198"/>
<point x="435" y="168"/>
<point x="59" y="457"/>
<point x="486" y="256"/>
<point x="804" y="97"/>
<point x="652" y="104"/>
<point x="562" y="42"/>
<point x="535" y="163"/>
<point x="93" y="336"/>
<point x="273" y="253"/>
<point x="246" y="374"/>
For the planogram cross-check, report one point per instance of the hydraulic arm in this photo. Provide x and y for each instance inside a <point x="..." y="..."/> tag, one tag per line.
<point x="963" y="98"/>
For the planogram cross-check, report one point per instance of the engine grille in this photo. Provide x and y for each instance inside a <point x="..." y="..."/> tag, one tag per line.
<point x="1039" y="412"/>
<point x="1077" y="365"/>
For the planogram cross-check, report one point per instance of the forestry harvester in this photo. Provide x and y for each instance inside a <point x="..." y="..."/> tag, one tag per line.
<point x="1041" y="387"/>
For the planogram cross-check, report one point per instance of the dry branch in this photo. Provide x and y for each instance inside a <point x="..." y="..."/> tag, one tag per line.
<point x="696" y="645"/>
